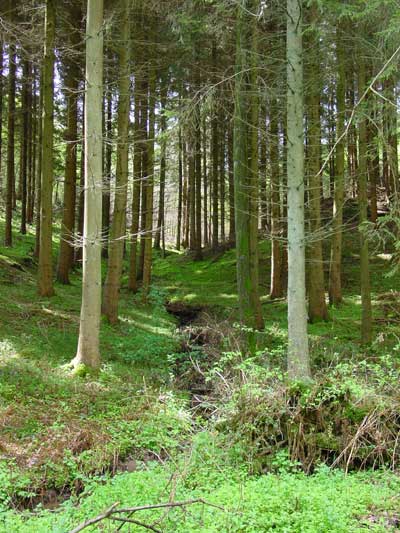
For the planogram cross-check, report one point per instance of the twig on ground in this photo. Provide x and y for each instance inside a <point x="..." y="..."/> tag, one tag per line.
<point x="98" y="518"/>
<point x="113" y="510"/>
<point x="132" y="521"/>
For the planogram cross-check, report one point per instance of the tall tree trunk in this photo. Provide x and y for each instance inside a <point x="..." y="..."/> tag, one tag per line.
<point x="137" y="176"/>
<point x="24" y="142"/>
<point x="263" y="184"/>
<point x="185" y="197"/>
<point x="66" y="255"/>
<point x="163" y="144"/>
<point x="107" y="172"/>
<point x="30" y="153"/>
<point x="254" y="176"/>
<point x="192" y="194"/>
<point x="214" y="157"/>
<point x="197" y="178"/>
<point x="335" y="273"/>
<point x="180" y="190"/>
<point x="10" y="144"/>
<point x="317" y="308"/>
<point x="245" y="175"/>
<point x="366" y="317"/>
<point x="352" y="134"/>
<point x="39" y="123"/>
<point x="392" y="147"/>
<point x="374" y="166"/>
<point x="88" y="352"/>
<point x="81" y="198"/>
<point x="23" y="160"/>
<point x="116" y="245"/>
<point x="231" y="186"/>
<point x="298" y="354"/>
<point x="276" y="290"/>
<point x="1" y="110"/>
<point x="145" y="171"/>
<point x="222" y="176"/>
<point x="149" y="184"/>
<point x="205" y="185"/>
<point x="45" y="271"/>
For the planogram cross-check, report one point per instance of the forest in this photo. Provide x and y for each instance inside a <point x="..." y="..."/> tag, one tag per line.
<point x="199" y="266"/>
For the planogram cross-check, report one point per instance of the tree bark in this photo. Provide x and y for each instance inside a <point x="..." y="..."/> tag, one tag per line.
<point x="31" y="148"/>
<point x="1" y="109"/>
<point x="243" y="154"/>
<point x="192" y="194"/>
<point x="137" y="177"/>
<point x="317" y="308"/>
<point x="205" y="185"/>
<point x="23" y="174"/>
<point x="254" y="176"/>
<point x="107" y="173"/>
<point x="66" y="254"/>
<point x="149" y="185"/>
<point x="298" y="354"/>
<point x="366" y="313"/>
<point x="214" y="157"/>
<point x="88" y="352"/>
<point x="163" y="142"/>
<point x="335" y="273"/>
<point x="10" y="144"/>
<point x="197" y="180"/>
<point x="116" y="244"/>
<point x="45" y="271"/>
<point x="38" y="180"/>
<point x="276" y="290"/>
<point x="231" y="186"/>
<point x="180" y="190"/>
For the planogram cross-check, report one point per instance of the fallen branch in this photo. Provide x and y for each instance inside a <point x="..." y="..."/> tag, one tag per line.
<point x="113" y="511"/>
<point x="136" y="522"/>
<point x="98" y="518"/>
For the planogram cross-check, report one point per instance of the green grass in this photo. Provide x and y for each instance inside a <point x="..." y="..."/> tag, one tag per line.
<point x="68" y="433"/>
<point x="328" y="502"/>
<point x="55" y="427"/>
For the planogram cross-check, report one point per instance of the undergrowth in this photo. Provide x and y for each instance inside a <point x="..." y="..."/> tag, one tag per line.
<point x="186" y="414"/>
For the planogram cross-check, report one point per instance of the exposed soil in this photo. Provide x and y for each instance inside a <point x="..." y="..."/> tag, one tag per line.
<point x="185" y="313"/>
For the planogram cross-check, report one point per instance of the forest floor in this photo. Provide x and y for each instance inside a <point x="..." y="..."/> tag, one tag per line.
<point x="176" y="413"/>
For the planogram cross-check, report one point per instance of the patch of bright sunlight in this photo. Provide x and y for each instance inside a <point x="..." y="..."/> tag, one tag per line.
<point x="8" y="350"/>
<point x="386" y="257"/>
<point x="166" y="332"/>
<point x="227" y="296"/>
<point x="146" y="316"/>
<point x="190" y="297"/>
<point x="59" y="314"/>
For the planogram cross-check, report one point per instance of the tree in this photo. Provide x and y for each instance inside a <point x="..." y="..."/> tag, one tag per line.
<point x="45" y="271"/>
<point x="335" y="273"/>
<point x="26" y="73"/>
<point x="66" y="255"/>
<point x="317" y="309"/>
<point x="276" y="290"/>
<point x="107" y="161"/>
<point x="116" y="245"/>
<point x="149" y="187"/>
<point x="10" y="144"/>
<point x="137" y="176"/>
<point x="298" y="355"/>
<point x="88" y="352"/>
<point x="244" y="150"/>
<point x="163" y="142"/>
<point x="1" y="104"/>
<point x="366" y="314"/>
